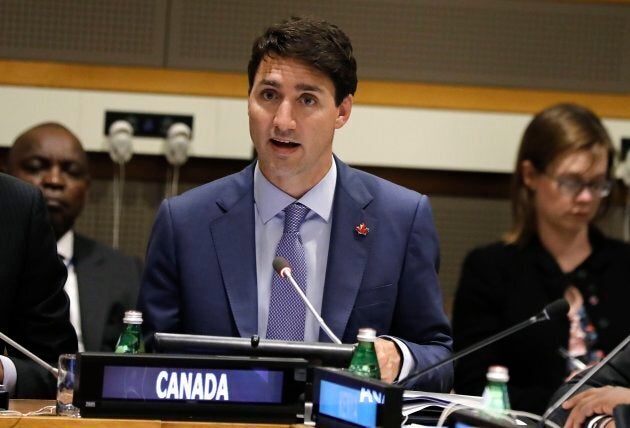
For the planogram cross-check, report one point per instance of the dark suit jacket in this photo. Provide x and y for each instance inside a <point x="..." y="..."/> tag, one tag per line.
<point x="200" y="275"/>
<point x="502" y="285"/>
<point x="108" y="286"/>
<point x="35" y="309"/>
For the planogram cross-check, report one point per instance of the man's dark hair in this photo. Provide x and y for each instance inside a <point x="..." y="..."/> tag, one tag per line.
<point x="319" y="44"/>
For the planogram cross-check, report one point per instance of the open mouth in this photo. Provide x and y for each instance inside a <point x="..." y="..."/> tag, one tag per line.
<point x="284" y="144"/>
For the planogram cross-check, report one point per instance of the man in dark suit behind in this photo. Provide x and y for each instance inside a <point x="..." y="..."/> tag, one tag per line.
<point x="34" y="307"/>
<point x="370" y="250"/>
<point x="102" y="282"/>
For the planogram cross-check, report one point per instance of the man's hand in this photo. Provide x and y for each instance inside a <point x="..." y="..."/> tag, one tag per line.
<point x="389" y="359"/>
<point x="595" y="401"/>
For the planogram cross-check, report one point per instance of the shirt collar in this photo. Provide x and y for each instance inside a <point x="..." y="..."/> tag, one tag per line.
<point x="270" y="200"/>
<point x="65" y="245"/>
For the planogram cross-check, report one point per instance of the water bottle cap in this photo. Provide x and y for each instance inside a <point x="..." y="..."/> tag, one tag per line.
<point x="366" y="335"/>
<point x="133" y="317"/>
<point x="498" y="374"/>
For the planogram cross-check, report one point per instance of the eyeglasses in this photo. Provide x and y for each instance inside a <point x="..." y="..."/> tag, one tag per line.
<point x="573" y="186"/>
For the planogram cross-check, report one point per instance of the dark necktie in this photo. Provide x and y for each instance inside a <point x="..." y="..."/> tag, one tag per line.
<point x="287" y="312"/>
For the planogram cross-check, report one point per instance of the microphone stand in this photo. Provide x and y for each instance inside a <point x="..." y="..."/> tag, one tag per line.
<point x="287" y="272"/>
<point x="29" y="354"/>
<point x="543" y="316"/>
<point x="584" y="379"/>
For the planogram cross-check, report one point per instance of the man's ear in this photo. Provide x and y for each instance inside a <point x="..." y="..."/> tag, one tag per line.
<point x="345" y="108"/>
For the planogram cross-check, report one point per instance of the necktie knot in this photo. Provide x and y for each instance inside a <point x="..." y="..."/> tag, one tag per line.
<point x="294" y="216"/>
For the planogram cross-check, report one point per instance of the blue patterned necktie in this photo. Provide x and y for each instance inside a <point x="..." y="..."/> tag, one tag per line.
<point x="287" y="312"/>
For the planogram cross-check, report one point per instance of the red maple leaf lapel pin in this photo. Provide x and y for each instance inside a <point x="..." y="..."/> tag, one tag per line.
<point x="362" y="229"/>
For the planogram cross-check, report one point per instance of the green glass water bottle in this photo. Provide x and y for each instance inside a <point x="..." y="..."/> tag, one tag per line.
<point x="364" y="361"/>
<point x="130" y="340"/>
<point x="495" y="399"/>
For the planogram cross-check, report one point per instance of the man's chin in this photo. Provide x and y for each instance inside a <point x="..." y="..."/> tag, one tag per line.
<point x="59" y="226"/>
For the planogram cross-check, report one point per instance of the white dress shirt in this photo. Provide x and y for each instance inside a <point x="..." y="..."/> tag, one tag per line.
<point x="65" y="248"/>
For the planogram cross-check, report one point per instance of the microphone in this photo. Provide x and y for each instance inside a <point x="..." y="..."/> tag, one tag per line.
<point x="584" y="379"/>
<point x="551" y="311"/>
<point x="29" y="354"/>
<point x="282" y="268"/>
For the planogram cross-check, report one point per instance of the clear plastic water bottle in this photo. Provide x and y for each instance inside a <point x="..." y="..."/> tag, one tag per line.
<point x="495" y="397"/>
<point x="130" y="340"/>
<point x="364" y="361"/>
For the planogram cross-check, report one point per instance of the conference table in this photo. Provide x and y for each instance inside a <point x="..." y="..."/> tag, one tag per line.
<point x="53" y="421"/>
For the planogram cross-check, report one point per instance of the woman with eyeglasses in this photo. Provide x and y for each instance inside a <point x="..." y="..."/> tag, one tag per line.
<point x="562" y="179"/>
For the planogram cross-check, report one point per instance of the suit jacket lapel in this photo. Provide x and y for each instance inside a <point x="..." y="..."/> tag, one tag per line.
<point x="233" y="235"/>
<point x="348" y="250"/>
<point x="94" y="301"/>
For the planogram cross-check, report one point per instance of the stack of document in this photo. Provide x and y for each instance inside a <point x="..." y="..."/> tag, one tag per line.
<point x="425" y="408"/>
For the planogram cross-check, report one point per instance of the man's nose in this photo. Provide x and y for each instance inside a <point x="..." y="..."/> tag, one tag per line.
<point x="53" y="177"/>
<point x="284" y="119"/>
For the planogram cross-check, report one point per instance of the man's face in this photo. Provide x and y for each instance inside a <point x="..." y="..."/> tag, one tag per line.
<point x="292" y="121"/>
<point x="54" y="161"/>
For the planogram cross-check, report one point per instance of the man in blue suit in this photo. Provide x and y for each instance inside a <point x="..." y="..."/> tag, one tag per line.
<point x="370" y="246"/>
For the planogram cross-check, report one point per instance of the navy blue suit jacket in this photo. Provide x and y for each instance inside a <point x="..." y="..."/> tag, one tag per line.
<point x="200" y="275"/>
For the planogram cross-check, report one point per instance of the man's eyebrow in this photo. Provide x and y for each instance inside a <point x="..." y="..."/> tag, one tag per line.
<point x="32" y="156"/>
<point x="269" y="82"/>
<point x="299" y="87"/>
<point x="306" y="87"/>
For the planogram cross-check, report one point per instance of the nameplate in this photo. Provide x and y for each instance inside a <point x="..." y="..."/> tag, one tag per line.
<point x="343" y="399"/>
<point x="247" y="389"/>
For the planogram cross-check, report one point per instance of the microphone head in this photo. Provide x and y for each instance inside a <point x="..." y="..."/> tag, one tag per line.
<point x="556" y="309"/>
<point x="280" y="264"/>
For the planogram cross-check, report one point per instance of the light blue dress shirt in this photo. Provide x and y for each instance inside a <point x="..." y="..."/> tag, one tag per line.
<point x="270" y="202"/>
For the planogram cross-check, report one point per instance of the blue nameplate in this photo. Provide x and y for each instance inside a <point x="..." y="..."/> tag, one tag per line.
<point x="343" y="399"/>
<point x="247" y="389"/>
